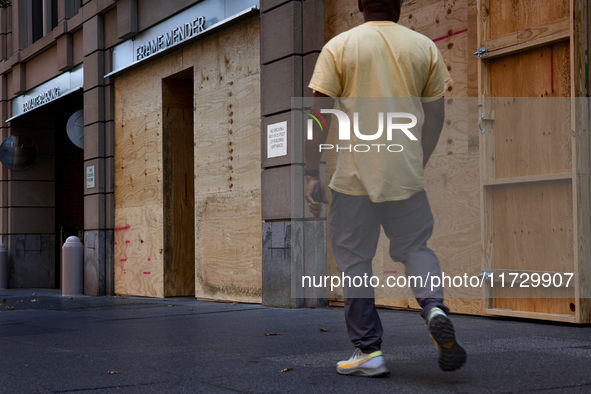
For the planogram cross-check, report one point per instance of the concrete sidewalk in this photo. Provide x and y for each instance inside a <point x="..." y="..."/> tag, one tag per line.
<point x="54" y="344"/>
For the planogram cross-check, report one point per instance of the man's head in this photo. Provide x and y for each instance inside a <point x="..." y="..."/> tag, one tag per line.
<point x="381" y="10"/>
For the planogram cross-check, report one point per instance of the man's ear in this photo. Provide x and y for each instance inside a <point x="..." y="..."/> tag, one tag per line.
<point x="360" y="4"/>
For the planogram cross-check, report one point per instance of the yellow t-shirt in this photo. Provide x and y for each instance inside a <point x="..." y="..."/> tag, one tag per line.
<point x="381" y="60"/>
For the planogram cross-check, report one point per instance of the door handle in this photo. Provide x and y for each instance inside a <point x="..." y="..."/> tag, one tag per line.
<point x="482" y="131"/>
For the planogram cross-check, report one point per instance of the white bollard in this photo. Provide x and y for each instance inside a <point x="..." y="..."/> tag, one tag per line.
<point x="72" y="267"/>
<point x="4" y="274"/>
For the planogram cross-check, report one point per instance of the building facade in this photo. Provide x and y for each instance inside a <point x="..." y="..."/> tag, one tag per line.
<point x="151" y="120"/>
<point x="150" y="123"/>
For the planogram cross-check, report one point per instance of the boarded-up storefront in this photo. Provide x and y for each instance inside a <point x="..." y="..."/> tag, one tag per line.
<point x="187" y="170"/>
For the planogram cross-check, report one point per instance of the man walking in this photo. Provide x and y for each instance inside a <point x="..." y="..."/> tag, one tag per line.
<point x="383" y="59"/>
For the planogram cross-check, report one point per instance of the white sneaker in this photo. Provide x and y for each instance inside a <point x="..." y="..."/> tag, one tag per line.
<point x="372" y="365"/>
<point x="451" y="354"/>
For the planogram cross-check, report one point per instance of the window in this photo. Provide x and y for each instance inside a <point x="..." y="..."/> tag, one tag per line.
<point x="54" y="20"/>
<point x="36" y="28"/>
<point x="43" y="18"/>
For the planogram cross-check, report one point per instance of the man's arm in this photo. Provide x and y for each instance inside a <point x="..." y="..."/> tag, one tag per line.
<point x="313" y="155"/>
<point x="434" y="118"/>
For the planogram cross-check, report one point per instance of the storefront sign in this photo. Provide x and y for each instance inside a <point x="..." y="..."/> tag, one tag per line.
<point x="48" y="92"/>
<point x="277" y="140"/>
<point x="207" y="15"/>
<point x="175" y="36"/>
<point x="43" y="98"/>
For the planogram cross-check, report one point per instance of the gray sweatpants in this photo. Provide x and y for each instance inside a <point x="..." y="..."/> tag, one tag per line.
<point x="354" y="232"/>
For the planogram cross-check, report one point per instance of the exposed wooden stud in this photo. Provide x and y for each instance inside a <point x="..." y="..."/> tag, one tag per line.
<point x="530" y="38"/>
<point x="528" y="179"/>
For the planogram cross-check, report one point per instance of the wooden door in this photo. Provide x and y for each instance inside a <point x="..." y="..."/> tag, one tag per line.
<point x="534" y="156"/>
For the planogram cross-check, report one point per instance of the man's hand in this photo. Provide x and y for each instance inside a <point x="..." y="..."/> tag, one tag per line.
<point x="315" y="207"/>
<point x="312" y="154"/>
<point x="434" y="118"/>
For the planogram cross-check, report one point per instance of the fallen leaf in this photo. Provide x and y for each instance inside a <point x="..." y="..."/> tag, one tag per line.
<point x="113" y="372"/>
<point x="323" y="330"/>
<point x="33" y="294"/>
<point x="96" y="310"/>
<point x="1" y="304"/>
<point x="273" y="334"/>
<point x="52" y="306"/>
<point x="4" y="300"/>
<point x="13" y="309"/>
<point x="34" y="300"/>
<point x="171" y="305"/>
<point x="285" y="370"/>
<point x="71" y="298"/>
<point x="191" y="309"/>
<point x="234" y="303"/>
<point x="18" y="302"/>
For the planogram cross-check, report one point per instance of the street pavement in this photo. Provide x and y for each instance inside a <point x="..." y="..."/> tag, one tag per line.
<point x="55" y="344"/>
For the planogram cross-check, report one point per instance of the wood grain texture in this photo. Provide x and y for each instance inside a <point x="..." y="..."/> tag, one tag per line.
<point x="179" y="201"/>
<point x="228" y="246"/>
<point x="533" y="226"/>
<point x="508" y="16"/>
<point x="529" y="38"/>
<point x="472" y="47"/>
<point x="545" y="73"/>
<point x="532" y="137"/>
<point x="139" y="251"/>
<point x="138" y="161"/>
<point x="580" y="31"/>
<point x="228" y="164"/>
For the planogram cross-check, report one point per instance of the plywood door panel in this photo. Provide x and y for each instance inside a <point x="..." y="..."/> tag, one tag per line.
<point x="529" y="222"/>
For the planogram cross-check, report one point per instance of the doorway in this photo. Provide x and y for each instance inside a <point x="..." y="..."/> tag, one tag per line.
<point x="178" y="185"/>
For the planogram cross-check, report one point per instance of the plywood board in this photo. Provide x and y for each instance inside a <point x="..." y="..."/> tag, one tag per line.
<point x="508" y="16"/>
<point x="228" y="56"/>
<point x="532" y="137"/>
<point x="138" y="161"/>
<point x="228" y="246"/>
<point x="139" y="251"/>
<point x="245" y="127"/>
<point x="139" y="92"/>
<point x="228" y="164"/>
<point x="540" y="72"/>
<point x="227" y="140"/>
<point x="533" y="226"/>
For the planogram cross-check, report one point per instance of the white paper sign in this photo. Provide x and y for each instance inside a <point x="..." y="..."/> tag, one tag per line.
<point x="277" y="140"/>
<point x="90" y="177"/>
